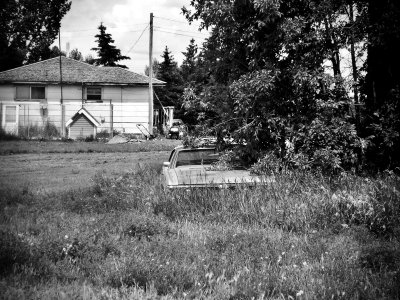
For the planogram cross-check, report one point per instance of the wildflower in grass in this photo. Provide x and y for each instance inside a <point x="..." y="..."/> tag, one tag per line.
<point x="279" y="259"/>
<point x="299" y="293"/>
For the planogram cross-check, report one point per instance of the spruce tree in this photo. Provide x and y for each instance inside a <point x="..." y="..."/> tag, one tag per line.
<point x="108" y="54"/>
<point x="189" y="63"/>
<point x="168" y="71"/>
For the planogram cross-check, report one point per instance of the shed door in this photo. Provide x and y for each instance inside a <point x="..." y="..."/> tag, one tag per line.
<point x="81" y="127"/>
<point x="10" y="118"/>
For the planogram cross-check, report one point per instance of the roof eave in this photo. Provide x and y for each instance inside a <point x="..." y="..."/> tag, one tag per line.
<point x="78" y="83"/>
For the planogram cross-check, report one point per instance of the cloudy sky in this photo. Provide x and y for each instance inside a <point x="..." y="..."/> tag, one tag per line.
<point x="127" y="20"/>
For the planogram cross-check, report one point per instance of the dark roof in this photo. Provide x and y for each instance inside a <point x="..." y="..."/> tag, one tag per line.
<point x="73" y="71"/>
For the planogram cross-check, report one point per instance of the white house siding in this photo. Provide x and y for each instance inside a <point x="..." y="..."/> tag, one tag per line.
<point x="130" y="107"/>
<point x="70" y="92"/>
<point x="135" y="94"/>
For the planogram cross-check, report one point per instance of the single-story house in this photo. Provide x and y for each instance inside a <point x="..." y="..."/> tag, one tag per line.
<point x="83" y="101"/>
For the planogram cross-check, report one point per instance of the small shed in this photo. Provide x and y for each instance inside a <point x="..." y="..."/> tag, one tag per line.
<point x="82" y="125"/>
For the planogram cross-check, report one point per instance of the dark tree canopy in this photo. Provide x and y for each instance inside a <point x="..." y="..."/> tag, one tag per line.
<point x="27" y="29"/>
<point x="272" y="74"/>
<point x="108" y="54"/>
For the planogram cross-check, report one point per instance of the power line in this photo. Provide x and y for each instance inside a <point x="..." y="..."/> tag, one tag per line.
<point x="187" y="31"/>
<point x="81" y="30"/>
<point x="138" y="39"/>
<point x="175" y="33"/>
<point x="114" y="27"/>
<point x="68" y="31"/>
<point x="172" y="20"/>
<point x="85" y="35"/>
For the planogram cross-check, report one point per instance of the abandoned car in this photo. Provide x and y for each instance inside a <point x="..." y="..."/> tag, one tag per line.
<point x="193" y="167"/>
<point x="177" y="129"/>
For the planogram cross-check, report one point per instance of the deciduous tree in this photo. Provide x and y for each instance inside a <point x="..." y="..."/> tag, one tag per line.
<point x="27" y="29"/>
<point x="76" y="54"/>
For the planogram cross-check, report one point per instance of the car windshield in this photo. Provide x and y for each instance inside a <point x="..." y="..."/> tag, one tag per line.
<point x="197" y="157"/>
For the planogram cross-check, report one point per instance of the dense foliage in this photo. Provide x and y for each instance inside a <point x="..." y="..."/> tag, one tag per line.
<point x="27" y="29"/>
<point x="316" y="80"/>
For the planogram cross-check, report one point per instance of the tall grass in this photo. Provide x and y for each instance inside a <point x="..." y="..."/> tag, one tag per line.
<point x="298" y="237"/>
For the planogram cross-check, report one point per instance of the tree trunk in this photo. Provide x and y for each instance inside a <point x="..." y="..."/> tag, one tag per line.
<point x="354" y="68"/>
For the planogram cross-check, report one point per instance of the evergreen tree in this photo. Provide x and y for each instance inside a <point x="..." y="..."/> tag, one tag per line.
<point x="108" y="54"/>
<point x="168" y="71"/>
<point x="189" y="63"/>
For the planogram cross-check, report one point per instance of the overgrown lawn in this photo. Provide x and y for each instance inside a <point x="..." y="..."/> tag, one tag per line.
<point x="300" y="237"/>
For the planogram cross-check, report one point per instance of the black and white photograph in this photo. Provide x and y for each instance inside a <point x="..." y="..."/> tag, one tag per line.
<point x="200" y="149"/>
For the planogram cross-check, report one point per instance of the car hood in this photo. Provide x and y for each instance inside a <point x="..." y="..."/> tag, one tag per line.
<point x="200" y="176"/>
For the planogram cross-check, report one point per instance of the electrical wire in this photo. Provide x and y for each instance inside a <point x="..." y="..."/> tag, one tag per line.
<point x="130" y="49"/>
<point x="172" y="20"/>
<point x="186" y="31"/>
<point x="175" y="33"/>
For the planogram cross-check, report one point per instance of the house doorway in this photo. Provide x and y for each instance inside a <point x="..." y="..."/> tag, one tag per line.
<point x="10" y="119"/>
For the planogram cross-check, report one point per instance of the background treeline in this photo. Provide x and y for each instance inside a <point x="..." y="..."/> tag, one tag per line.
<point x="308" y="83"/>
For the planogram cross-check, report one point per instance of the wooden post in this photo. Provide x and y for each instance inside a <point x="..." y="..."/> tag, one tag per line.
<point x="111" y="120"/>
<point x="63" y="131"/>
<point x="151" y="112"/>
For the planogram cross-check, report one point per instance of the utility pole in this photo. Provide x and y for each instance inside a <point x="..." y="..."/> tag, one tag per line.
<point x="61" y="87"/>
<point x="151" y="112"/>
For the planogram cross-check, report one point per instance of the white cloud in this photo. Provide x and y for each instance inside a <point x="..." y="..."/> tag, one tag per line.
<point x="125" y="20"/>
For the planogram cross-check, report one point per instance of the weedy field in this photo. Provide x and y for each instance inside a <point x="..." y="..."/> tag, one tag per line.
<point x="303" y="236"/>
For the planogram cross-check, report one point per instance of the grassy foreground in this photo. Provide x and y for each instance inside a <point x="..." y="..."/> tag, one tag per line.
<point x="301" y="237"/>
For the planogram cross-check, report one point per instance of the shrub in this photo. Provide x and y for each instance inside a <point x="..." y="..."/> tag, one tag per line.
<point x="103" y="135"/>
<point x="47" y="131"/>
<point x="331" y="146"/>
<point x="5" y="136"/>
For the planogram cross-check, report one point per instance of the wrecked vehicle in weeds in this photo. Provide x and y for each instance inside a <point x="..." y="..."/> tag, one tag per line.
<point x="193" y="167"/>
<point x="177" y="130"/>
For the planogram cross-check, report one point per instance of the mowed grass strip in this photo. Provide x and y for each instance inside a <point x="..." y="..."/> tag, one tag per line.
<point x="301" y="237"/>
<point x="21" y="147"/>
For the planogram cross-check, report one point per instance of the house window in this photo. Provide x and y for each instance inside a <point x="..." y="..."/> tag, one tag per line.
<point x="30" y="92"/>
<point x="38" y="92"/>
<point x="11" y="114"/>
<point x="23" y="92"/>
<point x="93" y="94"/>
